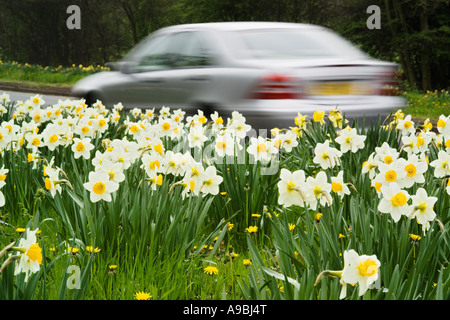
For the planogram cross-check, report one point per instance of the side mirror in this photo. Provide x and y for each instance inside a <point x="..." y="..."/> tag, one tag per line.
<point x="127" y="67"/>
<point x="122" y="66"/>
<point x="114" y="66"/>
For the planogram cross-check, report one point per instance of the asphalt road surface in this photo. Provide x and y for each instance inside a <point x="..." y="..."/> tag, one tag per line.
<point x="22" y="96"/>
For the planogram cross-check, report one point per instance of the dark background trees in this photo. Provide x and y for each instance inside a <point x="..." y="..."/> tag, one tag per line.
<point x="414" y="33"/>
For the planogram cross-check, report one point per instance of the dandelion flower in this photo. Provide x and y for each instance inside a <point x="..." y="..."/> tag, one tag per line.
<point x="251" y="229"/>
<point x="210" y="270"/>
<point x="141" y="295"/>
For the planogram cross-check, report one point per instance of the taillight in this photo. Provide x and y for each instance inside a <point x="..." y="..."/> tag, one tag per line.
<point x="389" y="84"/>
<point x="276" y="86"/>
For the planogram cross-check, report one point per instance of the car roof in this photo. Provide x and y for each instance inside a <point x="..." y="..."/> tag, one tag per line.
<point x="244" y="25"/>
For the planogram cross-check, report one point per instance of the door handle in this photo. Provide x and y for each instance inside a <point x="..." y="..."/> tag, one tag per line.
<point x="153" y="81"/>
<point x="197" y="78"/>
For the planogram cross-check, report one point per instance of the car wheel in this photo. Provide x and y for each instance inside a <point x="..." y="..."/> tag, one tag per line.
<point x="207" y="109"/>
<point x="92" y="98"/>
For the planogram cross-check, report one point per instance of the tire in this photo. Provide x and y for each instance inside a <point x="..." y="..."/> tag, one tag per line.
<point x="91" y="98"/>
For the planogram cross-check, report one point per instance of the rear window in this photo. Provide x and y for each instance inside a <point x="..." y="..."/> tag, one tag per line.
<point x="293" y="44"/>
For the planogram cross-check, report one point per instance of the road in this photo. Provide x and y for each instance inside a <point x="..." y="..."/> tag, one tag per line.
<point x="22" y="96"/>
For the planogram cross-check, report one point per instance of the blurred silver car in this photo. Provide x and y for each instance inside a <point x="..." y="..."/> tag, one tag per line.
<point x="268" y="71"/>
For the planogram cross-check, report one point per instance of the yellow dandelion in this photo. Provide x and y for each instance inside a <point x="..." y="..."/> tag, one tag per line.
<point x="414" y="237"/>
<point x="251" y="229"/>
<point x="141" y="295"/>
<point x="211" y="270"/>
<point x="91" y="248"/>
<point x="247" y="262"/>
<point x="318" y="217"/>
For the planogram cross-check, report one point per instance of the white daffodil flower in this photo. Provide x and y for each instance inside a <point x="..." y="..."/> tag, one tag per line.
<point x="100" y="186"/>
<point x="326" y="156"/>
<point x="394" y="201"/>
<point x="360" y="269"/>
<point x="31" y="254"/>
<point x="82" y="148"/>
<point x="338" y="186"/>
<point x="422" y="206"/>
<point x="290" y="188"/>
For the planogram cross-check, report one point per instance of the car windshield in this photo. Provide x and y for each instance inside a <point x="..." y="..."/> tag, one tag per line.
<point x="294" y="44"/>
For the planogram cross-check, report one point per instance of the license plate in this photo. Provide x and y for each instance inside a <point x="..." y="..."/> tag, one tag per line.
<point x="337" y="88"/>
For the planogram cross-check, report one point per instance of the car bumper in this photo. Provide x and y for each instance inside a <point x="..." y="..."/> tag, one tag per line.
<point x="268" y="114"/>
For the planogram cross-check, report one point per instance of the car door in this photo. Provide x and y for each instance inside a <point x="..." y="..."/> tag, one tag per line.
<point x="143" y="83"/>
<point x="190" y="79"/>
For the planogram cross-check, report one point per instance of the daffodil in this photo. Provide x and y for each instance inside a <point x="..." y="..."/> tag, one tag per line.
<point x="326" y="156"/>
<point x="261" y="149"/>
<point x="350" y="140"/>
<point x="318" y="116"/>
<point x="423" y="210"/>
<point x="394" y="201"/>
<point x="415" y="169"/>
<point x="290" y="188"/>
<point x="441" y="164"/>
<point x="386" y="154"/>
<point x="100" y="186"/>
<point x="52" y="180"/>
<point x="196" y="137"/>
<point x="406" y="126"/>
<point x="225" y="145"/>
<point x="82" y="148"/>
<point x="317" y="190"/>
<point x="30" y="254"/>
<point x="237" y="126"/>
<point x="393" y="172"/>
<point x="370" y="166"/>
<point x="210" y="181"/>
<point x="5" y="138"/>
<point x="288" y="141"/>
<point x="360" y="269"/>
<point x="338" y="186"/>
<point x="217" y="121"/>
<point x="443" y="125"/>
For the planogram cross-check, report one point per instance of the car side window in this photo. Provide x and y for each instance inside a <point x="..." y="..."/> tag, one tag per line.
<point x="189" y="49"/>
<point x="186" y="49"/>
<point x="153" y="55"/>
